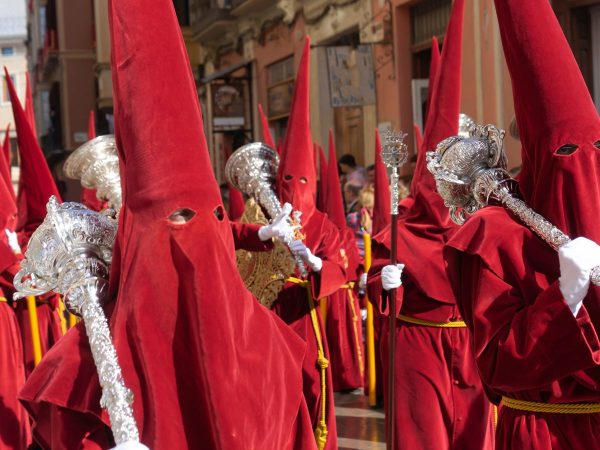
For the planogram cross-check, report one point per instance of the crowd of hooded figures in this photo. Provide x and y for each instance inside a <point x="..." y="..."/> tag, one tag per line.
<point x="129" y="323"/>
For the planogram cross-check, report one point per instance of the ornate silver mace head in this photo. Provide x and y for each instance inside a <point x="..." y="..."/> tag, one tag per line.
<point x="252" y="167"/>
<point x="394" y="155"/>
<point x="458" y="165"/>
<point x="96" y="165"/>
<point x="72" y="245"/>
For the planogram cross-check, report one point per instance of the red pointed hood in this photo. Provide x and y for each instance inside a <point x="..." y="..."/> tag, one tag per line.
<point x="36" y="184"/>
<point x="191" y="310"/>
<point x="322" y="185"/>
<point x="298" y="178"/>
<point x="425" y="226"/>
<point x="6" y="146"/>
<point x="91" y="126"/>
<point x="553" y="109"/>
<point x="88" y="196"/>
<point x="29" y="109"/>
<point x="335" y="202"/>
<point x="266" y="130"/>
<point x="236" y="203"/>
<point x="381" y="208"/>
<point x="8" y="211"/>
<point x="418" y="137"/>
<point x="434" y="67"/>
<point x="5" y="163"/>
<point x="442" y="122"/>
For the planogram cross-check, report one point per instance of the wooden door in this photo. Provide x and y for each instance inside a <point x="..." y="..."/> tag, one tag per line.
<point x="349" y="132"/>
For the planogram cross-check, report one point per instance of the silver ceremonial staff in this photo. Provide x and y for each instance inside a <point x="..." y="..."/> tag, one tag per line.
<point x="394" y="155"/>
<point x="252" y="169"/>
<point x="471" y="174"/>
<point x="70" y="254"/>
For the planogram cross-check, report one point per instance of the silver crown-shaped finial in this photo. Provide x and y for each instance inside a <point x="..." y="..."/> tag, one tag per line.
<point x="395" y="151"/>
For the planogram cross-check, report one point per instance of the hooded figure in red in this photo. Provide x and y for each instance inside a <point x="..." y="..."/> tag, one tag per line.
<point x="36" y="186"/>
<point x="14" y="426"/>
<point x="534" y="319"/>
<point x="440" y="402"/>
<point x="296" y="304"/>
<point x="344" y="324"/>
<point x="209" y="367"/>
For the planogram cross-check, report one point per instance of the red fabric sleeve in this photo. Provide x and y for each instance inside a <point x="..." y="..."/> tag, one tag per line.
<point x="333" y="274"/>
<point x="377" y="295"/>
<point x="514" y="336"/>
<point x="245" y="237"/>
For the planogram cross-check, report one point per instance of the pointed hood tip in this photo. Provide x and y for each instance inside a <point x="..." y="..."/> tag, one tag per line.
<point x="297" y="176"/>
<point x="335" y="201"/>
<point x="153" y="179"/>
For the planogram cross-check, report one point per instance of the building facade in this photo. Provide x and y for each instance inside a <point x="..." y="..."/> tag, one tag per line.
<point x="13" y="56"/>
<point x="369" y="63"/>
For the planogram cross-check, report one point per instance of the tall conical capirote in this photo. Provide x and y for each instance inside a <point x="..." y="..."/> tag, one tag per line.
<point x="425" y="226"/>
<point x="558" y="123"/>
<point x="266" y="130"/>
<point x="36" y="184"/>
<point x="183" y="317"/>
<point x="297" y="175"/>
<point x="335" y="201"/>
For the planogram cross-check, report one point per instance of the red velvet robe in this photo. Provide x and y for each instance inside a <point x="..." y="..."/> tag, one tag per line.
<point x="14" y="422"/>
<point x="344" y="324"/>
<point x="63" y="395"/>
<point x="527" y="344"/>
<point x="440" y="402"/>
<point x="292" y="306"/>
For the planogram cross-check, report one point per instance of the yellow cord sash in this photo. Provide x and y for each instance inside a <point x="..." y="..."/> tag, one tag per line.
<point x="35" y="329"/>
<point x="321" y="431"/>
<point x="552" y="408"/>
<point x="3" y="300"/>
<point x="427" y="323"/>
<point x="356" y="322"/>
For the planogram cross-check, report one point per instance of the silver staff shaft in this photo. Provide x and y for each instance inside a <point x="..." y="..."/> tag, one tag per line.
<point x="116" y="397"/>
<point x="539" y="225"/>
<point x="268" y="200"/>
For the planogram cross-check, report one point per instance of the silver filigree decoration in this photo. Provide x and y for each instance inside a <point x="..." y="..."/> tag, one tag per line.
<point x="70" y="254"/>
<point x="96" y="165"/>
<point x="466" y="125"/>
<point x="471" y="174"/>
<point x="252" y="169"/>
<point x="394" y="155"/>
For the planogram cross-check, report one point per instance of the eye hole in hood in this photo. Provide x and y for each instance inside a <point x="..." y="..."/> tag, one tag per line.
<point x="597" y="144"/>
<point x="181" y="216"/>
<point x="567" y="149"/>
<point x="219" y="212"/>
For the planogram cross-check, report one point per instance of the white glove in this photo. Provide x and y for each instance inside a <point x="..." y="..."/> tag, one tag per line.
<point x="391" y="276"/>
<point x="314" y="262"/>
<point x="13" y="242"/>
<point x="130" y="445"/>
<point x="280" y="227"/>
<point x="362" y="283"/>
<point x="577" y="259"/>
